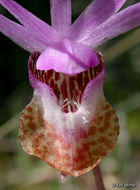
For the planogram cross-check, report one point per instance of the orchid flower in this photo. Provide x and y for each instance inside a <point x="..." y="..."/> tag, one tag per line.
<point x="68" y="123"/>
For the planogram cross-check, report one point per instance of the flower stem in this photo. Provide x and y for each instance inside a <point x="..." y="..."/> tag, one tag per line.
<point x="98" y="178"/>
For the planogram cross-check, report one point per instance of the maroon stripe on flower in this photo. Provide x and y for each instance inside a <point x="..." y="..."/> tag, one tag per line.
<point x="67" y="88"/>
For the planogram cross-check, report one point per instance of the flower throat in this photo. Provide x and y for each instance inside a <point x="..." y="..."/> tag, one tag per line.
<point x="68" y="89"/>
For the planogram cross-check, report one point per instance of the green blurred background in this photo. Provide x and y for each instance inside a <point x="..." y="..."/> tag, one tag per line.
<point x="19" y="171"/>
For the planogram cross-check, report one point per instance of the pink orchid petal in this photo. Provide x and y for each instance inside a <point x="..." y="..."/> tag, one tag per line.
<point x="20" y="35"/>
<point x="94" y="15"/>
<point x="61" y="15"/>
<point x="123" y="21"/>
<point x="31" y="22"/>
<point x="70" y="57"/>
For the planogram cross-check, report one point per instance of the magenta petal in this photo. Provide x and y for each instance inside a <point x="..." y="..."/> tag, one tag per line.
<point x="123" y="21"/>
<point x="61" y="15"/>
<point x="94" y="15"/>
<point x="69" y="57"/>
<point x="31" y="22"/>
<point x="20" y="35"/>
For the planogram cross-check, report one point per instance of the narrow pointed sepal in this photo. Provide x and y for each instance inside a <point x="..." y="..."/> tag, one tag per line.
<point x="61" y="16"/>
<point x="35" y="26"/>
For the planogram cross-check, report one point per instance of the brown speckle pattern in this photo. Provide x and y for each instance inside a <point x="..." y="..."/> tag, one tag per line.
<point x="76" y="152"/>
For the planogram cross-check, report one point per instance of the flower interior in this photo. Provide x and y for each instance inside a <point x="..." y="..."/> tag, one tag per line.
<point x="68" y="89"/>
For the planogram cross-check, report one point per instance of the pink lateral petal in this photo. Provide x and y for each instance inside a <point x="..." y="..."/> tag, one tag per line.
<point x="31" y="22"/>
<point x="93" y="16"/>
<point x="61" y="15"/>
<point x="120" y="23"/>
<point x="20" y="35"/>
<point x="69" y="57"/>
